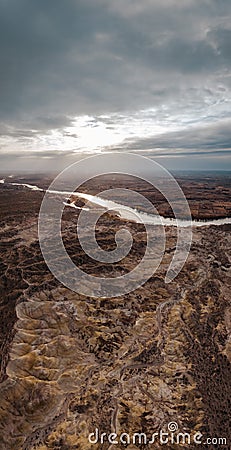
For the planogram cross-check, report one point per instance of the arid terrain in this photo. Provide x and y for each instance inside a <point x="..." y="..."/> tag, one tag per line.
<point x="72" y="364"/>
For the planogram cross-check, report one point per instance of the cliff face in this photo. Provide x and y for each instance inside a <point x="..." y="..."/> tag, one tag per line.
<point x="130" y="364"/>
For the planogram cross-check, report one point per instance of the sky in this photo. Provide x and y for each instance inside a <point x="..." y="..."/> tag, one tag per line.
<point x="79" y="77"/>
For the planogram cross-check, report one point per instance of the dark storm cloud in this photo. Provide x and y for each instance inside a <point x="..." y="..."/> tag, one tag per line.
<point x="38" y="73"/>
<point x="61" y="59"/>
<point x="83" y="56"/>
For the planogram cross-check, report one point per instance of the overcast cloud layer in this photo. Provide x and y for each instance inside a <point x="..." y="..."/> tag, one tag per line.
<point x="84" y="75"/>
